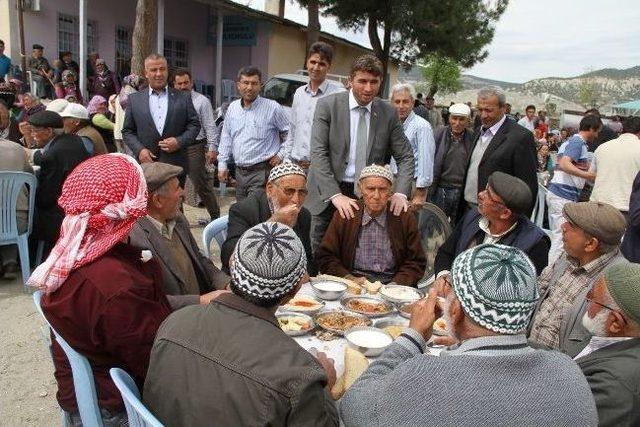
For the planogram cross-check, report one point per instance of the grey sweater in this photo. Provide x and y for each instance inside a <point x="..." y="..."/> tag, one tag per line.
<point x="492" y="381"/>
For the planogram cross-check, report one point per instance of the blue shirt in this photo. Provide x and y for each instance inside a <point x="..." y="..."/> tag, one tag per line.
<point x="158" y="105"/>
<point x="5" y="64"/>
<point x="566" y="185"/>
<point x="252" y="135"/>
<point x="420" y="135"/>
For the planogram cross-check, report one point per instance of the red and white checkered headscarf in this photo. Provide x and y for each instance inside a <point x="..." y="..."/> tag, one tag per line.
<point x="101" y="198"/>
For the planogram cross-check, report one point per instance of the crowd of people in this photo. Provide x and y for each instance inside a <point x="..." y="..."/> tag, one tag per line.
<point x="543" y="324"/>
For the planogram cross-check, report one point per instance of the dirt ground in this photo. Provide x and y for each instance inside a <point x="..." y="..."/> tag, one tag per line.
<point x="27" y="385"/>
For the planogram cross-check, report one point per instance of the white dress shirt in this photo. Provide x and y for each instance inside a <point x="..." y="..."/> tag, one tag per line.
<point x="158" y="105"/>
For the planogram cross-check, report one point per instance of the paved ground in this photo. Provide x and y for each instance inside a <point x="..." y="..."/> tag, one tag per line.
<point x="27" y="385"/>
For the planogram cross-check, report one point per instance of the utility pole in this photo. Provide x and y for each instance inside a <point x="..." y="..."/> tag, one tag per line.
<point x="23" y="57"/>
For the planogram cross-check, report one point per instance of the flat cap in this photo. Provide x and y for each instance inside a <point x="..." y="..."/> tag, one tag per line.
<point x="601" y="220"/>
<point x="515" y="194"/>
<point x="623" y="283"/>
<point x="37" y="46"/>
<point x="157" y="173"/>
<point x="460" y="109"/>
<point x="46" y="119"/>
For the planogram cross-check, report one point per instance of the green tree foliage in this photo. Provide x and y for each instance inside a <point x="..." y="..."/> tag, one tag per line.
<point x="441" y="74"/>
<point x="410" y="29"/>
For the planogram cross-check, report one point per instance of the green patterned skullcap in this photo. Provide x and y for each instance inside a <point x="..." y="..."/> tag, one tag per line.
<point x="496" y="286"/>
<point x="623" y="283"/>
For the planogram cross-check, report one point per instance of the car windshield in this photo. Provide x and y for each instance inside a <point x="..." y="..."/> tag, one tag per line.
<point x="281" y="90"/>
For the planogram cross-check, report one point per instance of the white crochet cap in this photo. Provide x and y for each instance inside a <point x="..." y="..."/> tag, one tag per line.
<point x="376" y="170"/>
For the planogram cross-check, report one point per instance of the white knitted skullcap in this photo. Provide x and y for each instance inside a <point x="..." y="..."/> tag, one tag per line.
<point x="460" y="109"/>
<point x="283" y="169"/>
<point x="376" y="170"/>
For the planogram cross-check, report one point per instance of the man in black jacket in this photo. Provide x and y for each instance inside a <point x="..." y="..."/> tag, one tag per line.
<point x="499" y="145"/>
<point x="499" y="218"/>
<point x="281" y="202"/>
<point x="57" y="156"/>
<point x="160" y="122"/>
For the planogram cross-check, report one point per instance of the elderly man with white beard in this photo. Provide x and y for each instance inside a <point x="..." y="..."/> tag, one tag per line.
<point x="493" y="377"/>
<point x="280" y="201"/>
<point x="611" y="360"/>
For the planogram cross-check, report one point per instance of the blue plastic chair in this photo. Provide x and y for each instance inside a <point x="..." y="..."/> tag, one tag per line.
<point x="216" y="229"/>
<point x="11" y="185"/>
<point x="83" y="382"/>
<point x="138" y="414"/>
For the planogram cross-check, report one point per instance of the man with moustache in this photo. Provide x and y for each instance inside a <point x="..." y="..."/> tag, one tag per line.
<point x="252" y="134"/>
<point x="611" y="359"/>
<point x="351" y="130"/>
<point x="174" y="123"/>
<point x="297" y="146"/>
<point x="492" y="377"/>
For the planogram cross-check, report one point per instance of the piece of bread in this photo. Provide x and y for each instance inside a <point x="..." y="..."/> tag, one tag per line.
<point x="338" y="388"/>
<point x="354" y="365"/>
<point x="372" y="287"/>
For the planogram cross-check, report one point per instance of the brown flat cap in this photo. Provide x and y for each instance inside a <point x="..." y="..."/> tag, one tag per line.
<point x="158" y="173"/>
<point x="515" y="194"/>
<point x="601" y="220"/>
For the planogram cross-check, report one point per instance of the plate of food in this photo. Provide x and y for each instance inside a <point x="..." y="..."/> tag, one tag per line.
<point x="399" y="294"/>
<point x="393" y="327"/>
<point x="303" y="304"/>
<point x="372" y="307"/>
<point x="339" y="321"/>
<point x="295" y="324"/>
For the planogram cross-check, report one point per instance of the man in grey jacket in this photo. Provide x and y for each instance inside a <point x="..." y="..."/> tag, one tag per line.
<point x="229" y="363"/>
<point x="492" y="377"/>
<point x="611" y="360"/>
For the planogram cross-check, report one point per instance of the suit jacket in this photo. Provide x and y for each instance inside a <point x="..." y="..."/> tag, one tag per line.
<point x="330" y="140"/>
<point x="145" y="235"/>
<point x="613" y="374"/>
<point x="513" y="151"/>
<point x="252" y="211"/>
<point x="63" y="154"/>
<point x="337" y="251"/>
<point x="139" y="131"/>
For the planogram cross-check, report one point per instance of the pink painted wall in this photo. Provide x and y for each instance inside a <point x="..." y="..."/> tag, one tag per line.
<point x="184" y="19"/>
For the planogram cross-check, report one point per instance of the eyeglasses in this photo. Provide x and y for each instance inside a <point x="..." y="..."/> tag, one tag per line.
<point x="602" y="305"/>
<point x="290" y="192"/>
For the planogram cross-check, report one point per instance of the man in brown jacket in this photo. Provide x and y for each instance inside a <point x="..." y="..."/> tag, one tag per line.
<point x="229" y="363"/>
<point x="76" y="122"/>
<point x="373" y="244"/>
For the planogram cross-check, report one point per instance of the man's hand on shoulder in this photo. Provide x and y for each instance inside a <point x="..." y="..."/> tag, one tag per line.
<point x="399" y="204"/>
<point x="346" y="206"/>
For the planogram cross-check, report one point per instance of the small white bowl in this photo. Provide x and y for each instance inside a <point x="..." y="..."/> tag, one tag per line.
<point x="333" y="291"/>
<point x="357" y="339"/>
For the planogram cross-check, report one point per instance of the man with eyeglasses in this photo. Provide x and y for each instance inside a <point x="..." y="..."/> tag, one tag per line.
<point x="591" y="237"/>
<point x="499" y="218"/>
<point x="611" y="359"/>
<point x="280" y="201"/>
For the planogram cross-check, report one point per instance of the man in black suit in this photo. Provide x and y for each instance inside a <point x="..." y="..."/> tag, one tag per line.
<point x="282" y="202"/>
<point x="58" y="154"/>
<point x="499" y="145"/>
<point x="352" y="130"/>
<point x="161" y="122"/>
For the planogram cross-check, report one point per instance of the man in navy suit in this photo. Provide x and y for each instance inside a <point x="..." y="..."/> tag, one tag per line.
<point x="160" y="122"/>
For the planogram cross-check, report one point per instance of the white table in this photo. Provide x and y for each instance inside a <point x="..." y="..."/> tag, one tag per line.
<point x="335" y="348"/>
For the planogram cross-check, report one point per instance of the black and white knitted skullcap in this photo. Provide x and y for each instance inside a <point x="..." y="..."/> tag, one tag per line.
<point x="283" y="169"/>
<point x="269" y="261"/>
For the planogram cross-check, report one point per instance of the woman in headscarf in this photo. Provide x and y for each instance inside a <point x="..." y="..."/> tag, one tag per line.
<point x="102" y="295"/>
<point x="101" y="119"/>
<point x="104" y="83"/>
<point x="30" y="104"/>
<point x="132" y="83"/>
<point x="69" y="86"/>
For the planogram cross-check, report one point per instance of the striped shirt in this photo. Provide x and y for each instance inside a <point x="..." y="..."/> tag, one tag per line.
<point x="252" y="135"/>
<point x="566" y="185"/>
<point x="374" y="258"/>
<point x="204" y="109"/>
<point x="298" y="144"/>
<point x="420" y="135"/>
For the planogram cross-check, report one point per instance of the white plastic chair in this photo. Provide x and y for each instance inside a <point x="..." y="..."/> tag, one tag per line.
<point x="537" y="216"/>
<point x="137" y="413"/>
<point x="216" y="229"/>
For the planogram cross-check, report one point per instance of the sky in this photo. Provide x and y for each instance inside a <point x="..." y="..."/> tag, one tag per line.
<point x="541" y="38"/>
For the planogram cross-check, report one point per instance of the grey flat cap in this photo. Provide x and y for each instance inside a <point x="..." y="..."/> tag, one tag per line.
<point x="46" y="119"/>
<point x="513" y="191"/>
<point x="601" y="220"/>
<point x="157" y="173"/>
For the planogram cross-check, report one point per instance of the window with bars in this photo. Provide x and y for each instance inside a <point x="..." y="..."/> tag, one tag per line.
<point x="123" y="50"/>
<point x="69" y="35"/>
<point x="177" y="52"/>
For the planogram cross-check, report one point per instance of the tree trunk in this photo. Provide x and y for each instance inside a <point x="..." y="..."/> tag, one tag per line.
<point x="432" y="90"/>
<point x="144" y="31"/>
<point x="313" y="29"/>
<point x="378" y="48"/>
